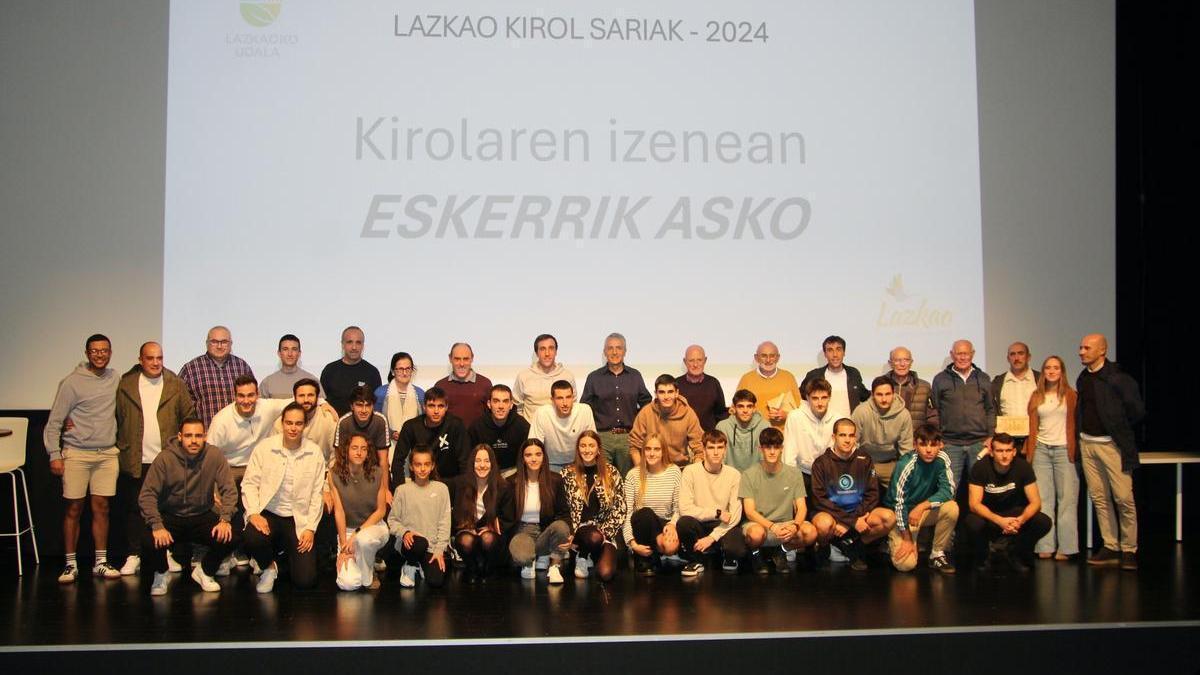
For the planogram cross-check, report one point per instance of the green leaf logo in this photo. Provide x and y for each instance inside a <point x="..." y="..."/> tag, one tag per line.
<point x="261" y="14"/>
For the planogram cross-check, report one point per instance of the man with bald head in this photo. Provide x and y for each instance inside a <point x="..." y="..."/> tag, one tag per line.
<point x="911" y="388"/>
<point x="1109" y="406"/>
<point x="702" y="391"/>
<point x="340" y="378"/>
<point x="210" y="376"/>
<point x="148" y="386"/>
<point x="467" y="392"/>
<point x="776" y="389"/>
<point x="962" y="394"/>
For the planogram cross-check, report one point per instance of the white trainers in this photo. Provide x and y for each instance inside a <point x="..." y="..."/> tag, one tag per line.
<point x="581" y="567"/>
<point x="241" y="559"/>
<point x="266" y="579"/>
<point x="542" y="562"/>
<point x="68" y="575"/>
<point x="105" y="571"/>
<point x="207" y="583"/>
<point x="159" y="587"/>
<point x="132" y="564"/>
<point x="554" y="575"/>
<point x="408" y="576"/>
<point x="173" y="565"/>
<point x="380" y="565"/>
<point x="254" y="568"/>
<point x="226" y="567"/>
<point x="529" y="571"/>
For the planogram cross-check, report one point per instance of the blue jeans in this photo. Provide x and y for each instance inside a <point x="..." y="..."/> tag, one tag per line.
<point x="962" y="458"/>
<point x="1058" y="485"/>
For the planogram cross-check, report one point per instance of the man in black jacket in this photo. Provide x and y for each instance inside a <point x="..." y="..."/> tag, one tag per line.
<point x="500" y="428"/>
<point x="1109" y="406"/>
<point x="848" y="388"/>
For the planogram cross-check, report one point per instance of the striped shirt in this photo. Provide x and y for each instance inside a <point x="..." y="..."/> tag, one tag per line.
<point x="211" y="383"/>
<point x="662" y="495"/>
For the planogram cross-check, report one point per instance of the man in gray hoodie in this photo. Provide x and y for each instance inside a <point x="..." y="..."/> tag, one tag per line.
<point x="885" y="428"/>
<point x="84" y="452"/>
<point x="177" y="504"/>
<point x="742" y="429"/>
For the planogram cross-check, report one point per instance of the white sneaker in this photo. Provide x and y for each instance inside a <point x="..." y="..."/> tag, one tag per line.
<point x="241" y="559"/>
<point x="69" y="574"/>
<point x="173" y="565"/>
<point x="266" y="579"/>
<point x="581" y="567"/>
<point x="554" y="575"/>
<point x="837" y="556"/>
<point x="225" y="568"/>
<point x="542" y="562"/>
<point x="208" y="583"/>
<point x="132" y="564"/>
<point x="105" y="571"/>
<point x="529" y="571"/>
<point x="380" y="565"/>
<point x="254" y="568"/>
<point x="408" y="575"/>
<point x="159" y="587"/>
<point x="790" y="555"/>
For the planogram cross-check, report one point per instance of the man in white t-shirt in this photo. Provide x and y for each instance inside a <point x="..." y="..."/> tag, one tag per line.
<point x="1012" y="389"/>
<point x="141" y="437"/>
<point x="846" y="381"/>
<point x="559" y="424"/>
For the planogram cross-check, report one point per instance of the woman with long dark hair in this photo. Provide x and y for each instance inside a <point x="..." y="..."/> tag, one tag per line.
<point x="479" y="499"/>
<point x="539" y="514"/>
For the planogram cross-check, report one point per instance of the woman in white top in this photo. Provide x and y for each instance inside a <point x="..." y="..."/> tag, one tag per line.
<point x="479" y="502"/>
<point x="539" y="514"/>
<point x="1051" y="449"/>
<point x="652" y="501"/>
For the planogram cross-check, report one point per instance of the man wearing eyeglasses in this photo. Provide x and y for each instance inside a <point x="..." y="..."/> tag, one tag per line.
<point x="210" y="376"/>
<point x="911" y="388"/>
<point x="775" y="388"/>
<point x="85" y="454"/>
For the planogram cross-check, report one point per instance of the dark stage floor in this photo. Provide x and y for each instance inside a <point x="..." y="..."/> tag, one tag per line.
<point x="35" y="610"/>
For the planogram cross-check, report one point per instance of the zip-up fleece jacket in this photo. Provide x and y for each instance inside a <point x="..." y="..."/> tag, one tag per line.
<point x="182" y="485"/>
<point x="915" y="481"/>
<point x="174" y="406"/>
<point x="966" y="409"/>
<point x="884" y="436"/>
<point x="845" y="488"/>
<point x="679" y="428"/>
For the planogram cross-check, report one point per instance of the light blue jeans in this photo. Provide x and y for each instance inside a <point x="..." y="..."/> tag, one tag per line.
<point x="962" y="458"/>
<point x="1058" y="485"/>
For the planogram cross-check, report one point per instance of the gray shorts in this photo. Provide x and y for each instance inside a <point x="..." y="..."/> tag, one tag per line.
<point x="90" y="469"/>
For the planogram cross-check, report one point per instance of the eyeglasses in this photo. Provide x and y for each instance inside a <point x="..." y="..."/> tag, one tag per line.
<point x="98" y="352"/>
<point x="220" y="343"/>
<point x="401" y="369"/>
<point x="768" y="357"/>
<point x="901" y="360"/>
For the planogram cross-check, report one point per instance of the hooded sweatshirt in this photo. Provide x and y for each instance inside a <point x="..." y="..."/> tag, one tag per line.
<point x="90" y="400"/>
<point x="743" y="440"/>
<point x="884" y="436"/>
<point x="845" y="488"/>
<point x="182" y="485"/>
<point x="678" y="427"/>
<point x="531" y="390"/>
<point x="805" y="437"/>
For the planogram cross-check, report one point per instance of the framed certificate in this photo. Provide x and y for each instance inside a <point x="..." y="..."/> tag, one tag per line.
<point x="1013" y="425"/>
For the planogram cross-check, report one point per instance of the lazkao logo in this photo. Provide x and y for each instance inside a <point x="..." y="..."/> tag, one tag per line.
<point x="902" y="309"/>
<point x="261" y="14"/>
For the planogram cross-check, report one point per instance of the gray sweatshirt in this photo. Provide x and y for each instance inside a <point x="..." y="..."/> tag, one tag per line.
<point x="421" y="510"/>
<point x="182" y="485"/>
<point x="90" y="401"/>
<point x="884" y="436"/>
<point x="701" y="493"/>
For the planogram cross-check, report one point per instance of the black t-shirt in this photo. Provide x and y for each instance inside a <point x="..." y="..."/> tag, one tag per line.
<point x="339" y="379"/>
<point x="1089" y="414"/>
<point x="1003" y="493"/>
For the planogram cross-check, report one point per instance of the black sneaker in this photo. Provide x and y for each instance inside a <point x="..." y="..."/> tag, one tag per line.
<point x="692" y="569"/>
<point x="779" y="562"/>
<point x="858" y="564"/>
<point x="1105" y="557"/>
<point x="941" y="563"/>
<point x="1129" y="561"/>
<point x="758" y="563"/>
<point x="1017" y="564"/>
<point x="643" y="567"/>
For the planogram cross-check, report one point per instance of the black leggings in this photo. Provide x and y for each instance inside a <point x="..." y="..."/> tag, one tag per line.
<point x="646" y="527"/>
<point x="982" y="532"/>
<point x="589" y="541"/>
<point x="262" y="547"/>
<point x="732" y="544"/>
<point x="419" y="555"/>
<point x="483" y="550"/>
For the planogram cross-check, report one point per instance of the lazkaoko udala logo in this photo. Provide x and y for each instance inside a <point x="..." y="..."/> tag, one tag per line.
<point x="261" y="14"/>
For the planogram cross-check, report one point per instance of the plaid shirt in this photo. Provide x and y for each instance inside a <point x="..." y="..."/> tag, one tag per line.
<point x="211" y="383"/>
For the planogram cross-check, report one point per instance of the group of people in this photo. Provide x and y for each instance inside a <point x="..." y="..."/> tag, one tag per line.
<point x="484" y="476"/>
